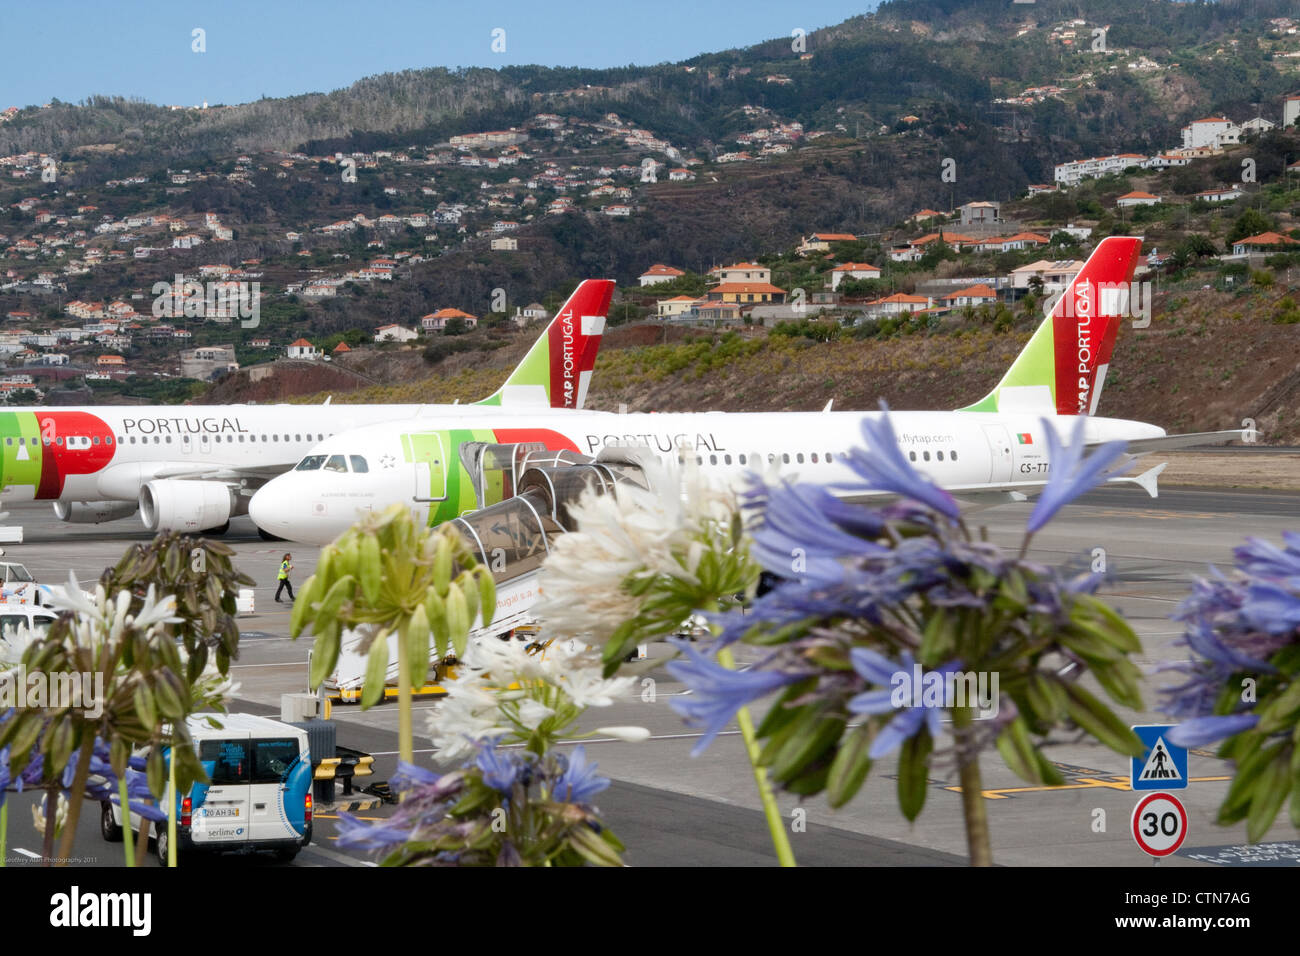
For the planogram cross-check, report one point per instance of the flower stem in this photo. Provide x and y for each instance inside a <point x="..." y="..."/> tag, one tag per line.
<point x="4" y="829"/>
<point x="47" y="835"/>
<point x="128" y="834"/>
<point x="75" y="796"/>
<point x="972" y="790"/>
<point x="171" y="806"/>
<point x="775" y="825"/>
<point x="405" y="742"/>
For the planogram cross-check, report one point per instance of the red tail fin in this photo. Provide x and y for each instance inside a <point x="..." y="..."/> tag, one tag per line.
<point x="1086" y="320"/>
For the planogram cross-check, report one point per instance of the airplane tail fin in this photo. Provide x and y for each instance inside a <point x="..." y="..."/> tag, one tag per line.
<point x="1062" y="369"/>
<point x="557" y="369"/>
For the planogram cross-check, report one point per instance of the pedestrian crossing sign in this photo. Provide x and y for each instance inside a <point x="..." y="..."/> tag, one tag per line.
<point x="1162" y="766"/>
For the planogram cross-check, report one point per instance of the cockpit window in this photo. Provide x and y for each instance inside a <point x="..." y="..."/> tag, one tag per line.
<point x="359" y="464"/>
<point x="310" y="463"/>
<point x="336" y="463"/>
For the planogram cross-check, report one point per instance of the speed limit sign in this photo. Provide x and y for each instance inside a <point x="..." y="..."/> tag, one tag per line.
<point x="1159" y="824"/>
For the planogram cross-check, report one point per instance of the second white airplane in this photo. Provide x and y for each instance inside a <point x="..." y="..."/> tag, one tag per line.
<point x="435" y="463"/>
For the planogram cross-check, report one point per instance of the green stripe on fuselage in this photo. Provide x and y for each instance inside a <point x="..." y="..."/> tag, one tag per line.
<point x="460" y="489"/>
<point x="20" y="461"/>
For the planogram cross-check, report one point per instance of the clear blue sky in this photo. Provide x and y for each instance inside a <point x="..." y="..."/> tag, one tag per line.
<point x="71" y="49"/>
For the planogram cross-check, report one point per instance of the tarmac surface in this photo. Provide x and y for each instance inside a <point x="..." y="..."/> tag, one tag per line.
<point x="670" y="808"/>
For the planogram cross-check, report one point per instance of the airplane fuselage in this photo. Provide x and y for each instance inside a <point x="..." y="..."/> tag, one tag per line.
<point x="418" y="462"/>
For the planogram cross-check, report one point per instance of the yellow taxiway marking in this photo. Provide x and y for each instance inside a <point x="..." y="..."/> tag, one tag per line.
<point x="335" y="816"/>
<point x="1081" y="783"/>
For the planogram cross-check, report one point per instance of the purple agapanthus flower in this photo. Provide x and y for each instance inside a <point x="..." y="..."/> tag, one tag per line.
<point x="1265" y="559"/>
<point x="1205" y="730"/>
<point x="579" y="782"/>
<point x="717" y="692"/>
<point x="799" y="535"/>
<point x="910" y="718"/>
<point x="1271" y="608"/>
<point x="1072" y="473"/>
<point x="883" y="467"/>
<point x="500" y="768"/>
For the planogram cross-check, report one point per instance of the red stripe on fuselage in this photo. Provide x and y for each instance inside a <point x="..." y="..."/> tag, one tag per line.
<point x="553" y="440"/>
<point x="63" y="452"/>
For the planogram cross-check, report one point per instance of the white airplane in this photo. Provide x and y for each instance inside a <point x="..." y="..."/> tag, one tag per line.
<point x="996" y="449"/>
<point x="193" y="468"/>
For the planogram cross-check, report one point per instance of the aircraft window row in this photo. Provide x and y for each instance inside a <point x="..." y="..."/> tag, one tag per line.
<point x="157" y="439"/>
<point x="725" y="459"/>
<point x="336" y="463"/>
<point x="925" y="456"/>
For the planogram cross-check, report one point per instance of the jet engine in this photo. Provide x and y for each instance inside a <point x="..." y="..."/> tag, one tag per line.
<point x="169" y="504"/>
<point x="93" y="512"/>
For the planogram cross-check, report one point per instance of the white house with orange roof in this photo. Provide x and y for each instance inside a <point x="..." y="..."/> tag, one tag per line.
<point x="1137" y="198"/>
<point x="658" y="273"/>
<point x="677" y="305"/>
<point x="898" y="303"/>
<point x="395" y="333"/>
<point x="1223" y="194"/>
<point x="980" y="294"/>
<point x="1264" y="242"/>
<point x="437" y="321"/>
<point x="743" y="272"/>
<point x="302" y="349"/>
<point x="821" y="241"/>
<point x="853" y="270"/>
<point x="1213" y="132"/>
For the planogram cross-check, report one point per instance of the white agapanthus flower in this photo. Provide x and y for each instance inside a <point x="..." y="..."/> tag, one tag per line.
<point x="98" y="618"/>
<point x="14" y="642"/>
<point x="634" y="534"/>
<point x="506" y="685"/>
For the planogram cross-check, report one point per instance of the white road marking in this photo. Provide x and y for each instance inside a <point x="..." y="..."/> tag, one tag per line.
<point x="337" y="856"/>
<point x="27" y="853"/>
<point x="285" y="664"/>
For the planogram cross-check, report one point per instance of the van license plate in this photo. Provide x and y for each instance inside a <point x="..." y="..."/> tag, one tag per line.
<point x="223" y="811"/>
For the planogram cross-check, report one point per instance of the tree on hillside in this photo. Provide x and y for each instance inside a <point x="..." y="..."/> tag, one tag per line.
<point x="1250" y="223"/>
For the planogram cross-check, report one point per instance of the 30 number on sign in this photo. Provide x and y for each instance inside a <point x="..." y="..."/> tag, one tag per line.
<point x="1159" y="824"/>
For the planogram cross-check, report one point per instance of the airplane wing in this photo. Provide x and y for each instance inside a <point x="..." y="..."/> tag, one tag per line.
<point x="1144" y="446"/>
<point x="225" y="472"/>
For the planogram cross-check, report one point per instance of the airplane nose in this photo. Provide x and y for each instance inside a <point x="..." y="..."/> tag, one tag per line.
<point x="282" y="508"/>
<point x="264" y="508"/>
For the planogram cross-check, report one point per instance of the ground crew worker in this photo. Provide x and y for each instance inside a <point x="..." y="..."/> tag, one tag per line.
<point x="285" y="568"/>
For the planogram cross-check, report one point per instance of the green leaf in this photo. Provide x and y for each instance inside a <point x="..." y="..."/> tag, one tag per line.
<point x="939" y="640"/>
<point x="1271" y="789"/>
<point x="1014" y="759"/>
<point x="417" y="646"/>
<point x="850" y="767"/>
<point x="1281" y="710"/>
<point x="324" y="655"/>
<point x="370" y="568"/>
<point x="155" y="770"/>
<point x="1098" y="719"/>
<point x="487" y="595"/>
<point x="913" y="774"/>
<point x="807" y="745"/>
<point x="144" y="705"/>
<point x="376" y="672"/>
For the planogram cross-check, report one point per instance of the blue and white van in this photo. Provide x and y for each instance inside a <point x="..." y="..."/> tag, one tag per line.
<point x="258" y="797"/>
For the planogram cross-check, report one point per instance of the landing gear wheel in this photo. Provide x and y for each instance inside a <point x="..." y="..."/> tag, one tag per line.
<point x="109" y="830"/>
<point x="216" y="532"/>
